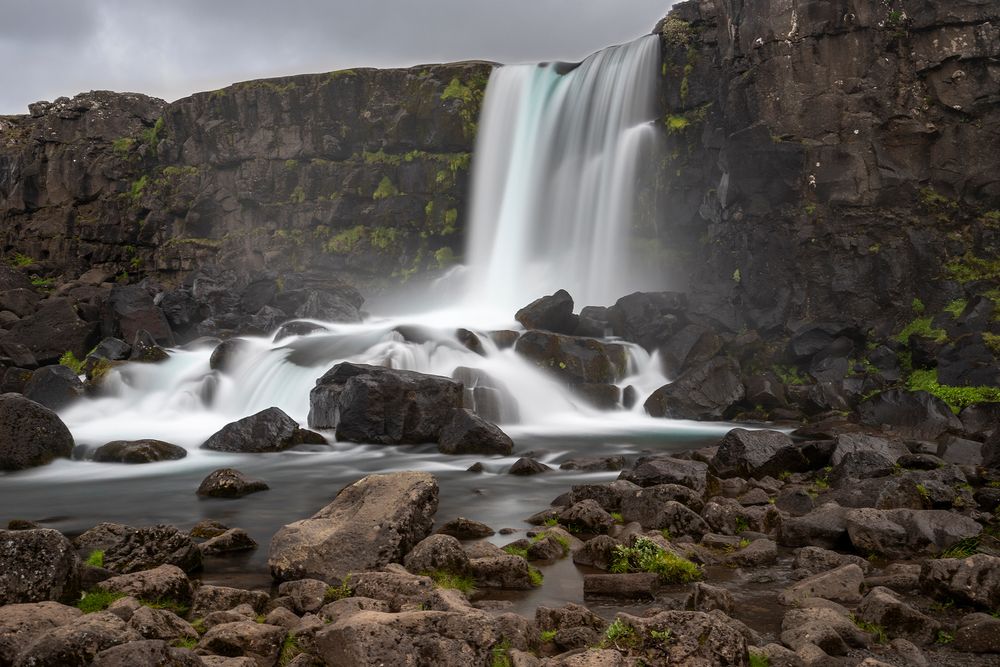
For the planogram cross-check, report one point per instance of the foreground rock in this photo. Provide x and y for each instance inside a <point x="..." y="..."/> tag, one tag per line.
<point x="30" y="434"/>
<point x="166" y="582"/>
<point x="468" y="433"/>
<point x="269" y="430"/>
<point x="145" y="548"/>
<point x="21" y="623"/>
<point x="138" y="451"/>
<point x="37" y="565"/>
<point x="382" y="405"/>
<point x="371" y="523"/>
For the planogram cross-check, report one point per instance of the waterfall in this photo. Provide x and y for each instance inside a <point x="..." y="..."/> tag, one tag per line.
<point x="556" y="177"/>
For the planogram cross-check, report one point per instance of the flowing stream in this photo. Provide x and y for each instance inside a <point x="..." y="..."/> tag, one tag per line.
<point x="554" y="186"/>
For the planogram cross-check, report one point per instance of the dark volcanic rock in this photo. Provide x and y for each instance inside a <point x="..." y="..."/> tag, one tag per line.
<point x="913" y="414"/>
<point x="129" y="310"/>
<point x="145" y="548"/>
<point x="705" y="392"/>
<point x="229" y="483"/>
<point x="269" y="430"/>
<point x="30" y="434"/>
<point x="371" y="523"/>
<point x="382" y="405"/>
<point x="551" y="313"/>
<point x="745" y="453"/>
<point x="646" y="318"/>
<point x="37" y="565"/>
<point x="527" y="466"/>
<point x="572" y="359"/>
<point x="55" y="328"/>
<point x="138" y="451"/>
<point x="55" y="387"/>
<point x="468" y="433"/>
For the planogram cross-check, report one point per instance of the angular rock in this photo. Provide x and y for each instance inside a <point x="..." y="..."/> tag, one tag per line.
<point x="138" y="451"/>
<point x="269" y="430"/>
<point x="147" y="548"/>
<point x="910" y="414"/>
<point x="258" y="641"/>
<point x="465" y="529"/>
<point x="586" y="516"/>
<point x="504" y="571"/>
<point x="160" y="624"/>
<point x="129" y="309"/>
<point x="631" y="586"/>
<point x="974" y="580"/>
<point x="744" y="453"/>
<point x="53" y="329"/>
<point x="208" y="599"/>
<point x="657" y="470"/>
<point x="552" y="313"/>
<point x="30" y="434"/>
<point x="824" y="527"/>
<point x="372" y="522"/>
<point x="229" y="483"/>
<point x="384" y="406"/>
<point x="647" y="318"/>
<point x="850" y="443"/>
<point x="55" y="387"/>
<point x="597" y="552"/>
<point x="37" y="565"/>
<point x="527" y="466"/>
<point x="437" y="553"/>
<point x="77" y="643"/>
<point x="902" y="533"/>
<point x="979" y="633"/>
<point x="882" y="607"/>
<point x="842" y="585"/>
<point x="706" y="392"/>
<point x="148" y="653"/>
<point x="233" y="540"/>
<point x="574" y="360"/>
<point x="815" y="560"/>
<point x="468" y="433"/>
<point x="696" y="638"/>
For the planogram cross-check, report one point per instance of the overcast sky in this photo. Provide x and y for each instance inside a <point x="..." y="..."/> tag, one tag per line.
<point x="171" y="48"/>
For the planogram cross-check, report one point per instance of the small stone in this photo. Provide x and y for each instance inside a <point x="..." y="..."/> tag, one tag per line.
<point x="230" y="483"/>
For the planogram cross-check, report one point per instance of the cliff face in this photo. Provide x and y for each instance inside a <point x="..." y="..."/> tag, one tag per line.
<point x="356" y="174"/>
<point x="832" y="161"/>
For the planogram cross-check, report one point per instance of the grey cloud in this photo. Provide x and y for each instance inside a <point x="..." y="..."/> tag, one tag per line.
<point x="171" y="49"/>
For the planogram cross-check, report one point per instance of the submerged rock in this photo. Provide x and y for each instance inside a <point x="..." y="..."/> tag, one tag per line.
<point x="229" y="483"/>
<point x="372" y="522"/>
<point x="138" y="451"/>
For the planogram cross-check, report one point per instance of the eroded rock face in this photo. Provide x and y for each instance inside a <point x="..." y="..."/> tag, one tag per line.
<point x="371" y="523"/>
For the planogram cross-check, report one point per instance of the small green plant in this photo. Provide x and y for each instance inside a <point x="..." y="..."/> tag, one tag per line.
<point x="617" y="516"/>
<point x="500" y="654"/>
<point x="871" y="628"/>
<point x="676" y="124"/>
<point x="547" y="635"/>
<point x="645" y="555"/>
<point x="665" y="533"/>
<point x="619" y="634"/>
<point x="199" y="626"/>
<point x="962" y="549"/>
<point x="956" y="307"/>
<point x="784" y="475"/>
<point x="19" y="261"/>
<point x="290" y="649"/>
<point x="924" y="494"/>
<point x="536" y="577"/>
<point x="810" y="209"/>
<point x="385" y="189"/>
<point x="921" y="326"/>
<point x="918" y="306"/>
<point x="188" y="643"/>
<point x="69" y="360"/>
<point x="551" y="522"/>
<point x="742" y="524"/>
<point x="789" y="375"/>
<point x="446" y="579"/>
<point x="43" y="283"/>
<point x="152" y="136"/>
<point x="97" y="600"/>
<point x="334" y="593"/>
<point x="743" y="543"/>
<point x="122" y="145"/>
<point x="944" y="637"/>
<point x="662" y="636"/>
<point x="96" y="558"/>
<point x="956" y="397"/>
<point x="169" y="604"/>
<point x="758" y="660"/>
<point x="514" y="550"/>
<point x="137" y="188"/>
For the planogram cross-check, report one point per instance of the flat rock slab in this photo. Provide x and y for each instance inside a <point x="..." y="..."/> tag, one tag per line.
<point x="633" y="586"/>
<point x="371" y="523"/>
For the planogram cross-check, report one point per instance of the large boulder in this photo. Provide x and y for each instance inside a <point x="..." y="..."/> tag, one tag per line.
<point x="380" y="405"/>
<point x="842" y="584"/>
<point x="146" y="548"/>
<point x="468" y="433"/>
<point x="55" y="387"/>
<point x="372" y="522"/>
<point x="130" y="309"/>
<point x="30" y="434"/>
<point x="37" y="565"/>
<point x="912" y="414"/>
<point x="902" y="533"/>
<point x="259" y="641"/>
<point x="687" y="638"/>
<point x="78" y="642"/>
<point x="20" y="624"/>
<point x="974" y="580"/>
<point x="552" y="313"/>
<point x="884" y="608"/>
<point x="572" y="359"/>
<point x="647" y="318"/>
<point x="167" y="582"/>
<point x="744" y="453"/>
<point x="138" y="451"/>
<point x="706" y="392"/>
<point x="149" y="653"/>
<point x="54" y="329"/>
<point x="656" y="470"/>
<point x="269" y="430"/>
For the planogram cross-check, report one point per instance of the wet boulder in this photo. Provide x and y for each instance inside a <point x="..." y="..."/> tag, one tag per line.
<point x="146" y="548"/>
<point x="465" y="529"/>
<point x="706" y="392"/>
<point x="55" y="328"/>
<point x="37" y="565"/>
<point x="527" y="466"/>
<point x="224" y="355"/>
<point x="468" y="433"/>
<point x="229" y="483"/>
<point x="30" y="434"/>
<point x="146" y="350"/>
<point x="911" y="414"/>
<point x="372" y="522"/>
<point x="55" y="387"/>
<point x="692" y="345"/>
<point x="130" y="309"/>
<point x="647" y="318"/>
<point x="269" y="430"/>
<point x="138" y="451"/>
<point x="572" y="359"/>
<point x="385" y="406"/>
<point x="551" y="313"/>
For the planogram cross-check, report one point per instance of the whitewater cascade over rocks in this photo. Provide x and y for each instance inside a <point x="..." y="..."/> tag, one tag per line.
<point x="556" y="176"/>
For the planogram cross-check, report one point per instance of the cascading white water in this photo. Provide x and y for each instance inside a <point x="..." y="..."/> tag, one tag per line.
<point x="556" y="177"/>
<point x="555" y="182"/>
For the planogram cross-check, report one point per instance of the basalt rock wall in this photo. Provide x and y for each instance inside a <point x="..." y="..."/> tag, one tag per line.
<point x="834" y="161"/>
<point x="360" y="175"/>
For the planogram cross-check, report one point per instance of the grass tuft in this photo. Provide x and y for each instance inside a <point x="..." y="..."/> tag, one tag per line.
<point x="97" y="600"/>
<point x="96" y="558"/>
<point x="647" y="556"/>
